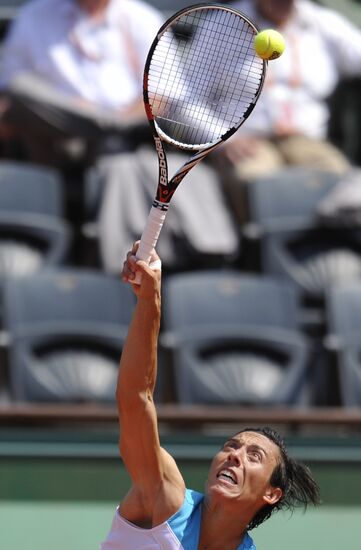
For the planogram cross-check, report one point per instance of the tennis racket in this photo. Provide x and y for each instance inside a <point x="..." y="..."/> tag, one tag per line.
<point x="202" y="79"/>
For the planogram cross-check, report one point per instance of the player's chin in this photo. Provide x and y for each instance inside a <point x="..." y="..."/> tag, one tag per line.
<point x="220" y="490"/>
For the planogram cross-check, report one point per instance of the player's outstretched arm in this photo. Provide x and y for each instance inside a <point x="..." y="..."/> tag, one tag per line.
<point x="157" y="485"/>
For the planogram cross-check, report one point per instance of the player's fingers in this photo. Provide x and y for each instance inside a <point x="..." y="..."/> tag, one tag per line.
<point x="150" y="278"/>
<point x="127" y="273"/>
<point x="145" y="268"/>
<point x="132" y="264"/>
<point x="129" y="267"/>
<point x="135" y="247"/>
<point x="153" y="257"/>
<point x="155" y="261"/>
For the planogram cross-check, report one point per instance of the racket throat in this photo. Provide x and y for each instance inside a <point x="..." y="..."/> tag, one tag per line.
<point x="163" y="206"/>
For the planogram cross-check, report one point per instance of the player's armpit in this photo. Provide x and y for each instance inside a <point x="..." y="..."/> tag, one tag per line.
<point x="144" y="511"/>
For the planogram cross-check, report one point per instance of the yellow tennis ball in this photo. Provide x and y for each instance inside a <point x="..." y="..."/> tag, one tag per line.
<point x="269" y="44"/>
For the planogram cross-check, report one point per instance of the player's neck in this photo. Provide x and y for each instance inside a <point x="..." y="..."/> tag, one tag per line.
<point x="218" y="541"/>
<point x="219" y="531"/>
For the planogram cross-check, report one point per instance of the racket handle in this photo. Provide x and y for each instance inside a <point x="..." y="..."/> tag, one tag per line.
<point x="149" y="237"/>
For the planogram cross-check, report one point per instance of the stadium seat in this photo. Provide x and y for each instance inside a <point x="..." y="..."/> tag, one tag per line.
<point x="33" y="231"/>
<point x="345" y="119"/>
<point x="66" y="332"/>
<point x="343" y="307"/>
<point x="235" y="340"/>
<point x="4" y="386"/>
<point x="286" y="238"/>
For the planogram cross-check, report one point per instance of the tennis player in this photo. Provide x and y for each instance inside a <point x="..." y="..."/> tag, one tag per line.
<point x="250" y="477"/>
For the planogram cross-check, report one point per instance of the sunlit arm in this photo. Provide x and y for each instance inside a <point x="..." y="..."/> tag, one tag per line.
<point x="137" y="377"/>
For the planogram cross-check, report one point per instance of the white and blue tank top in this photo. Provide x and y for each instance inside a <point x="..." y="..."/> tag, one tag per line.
<point x="179" y="532"/>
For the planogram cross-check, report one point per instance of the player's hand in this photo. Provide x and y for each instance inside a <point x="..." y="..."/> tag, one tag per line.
<point x="150" y="274"/>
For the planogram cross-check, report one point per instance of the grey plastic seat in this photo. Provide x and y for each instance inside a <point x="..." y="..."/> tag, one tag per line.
<point x="235" y="340"/>
<point x="343" y="307"/>
<point x="33" y="231"/>
<point x="67" y="328"/>
<point x="291" y="241"/>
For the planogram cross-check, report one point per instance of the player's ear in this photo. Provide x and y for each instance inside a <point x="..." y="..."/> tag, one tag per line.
<point x="272" y="495"/>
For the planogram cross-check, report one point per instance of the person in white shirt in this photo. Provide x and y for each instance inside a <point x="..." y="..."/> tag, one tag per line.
<point x="90" y="52"/>
<point x="289" y="124"/>
<point x="89" y="56"/>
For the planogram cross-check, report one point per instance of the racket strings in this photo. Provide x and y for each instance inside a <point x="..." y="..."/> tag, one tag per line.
<point x="220" y="66"/>
<point x="203" y="87"/>
<point x="203" y="76"/>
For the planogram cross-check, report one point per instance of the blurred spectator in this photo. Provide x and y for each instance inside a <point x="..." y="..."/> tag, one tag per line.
<point x="289" y="124"/>
<point x="87" y="57"/>
<point x="90" y="52"/>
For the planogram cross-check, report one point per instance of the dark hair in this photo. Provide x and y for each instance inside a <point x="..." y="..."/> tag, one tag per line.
<point x="294" y="479"/>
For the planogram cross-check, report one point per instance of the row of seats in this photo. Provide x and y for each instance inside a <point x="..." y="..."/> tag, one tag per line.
<point x="285" y="236"/>
<point x="239" y="338"/>
<point x="289" y="235"/>
<point x="228" y="338"/>
<point x="65" y="329"/>
<point x="285" y="242"/>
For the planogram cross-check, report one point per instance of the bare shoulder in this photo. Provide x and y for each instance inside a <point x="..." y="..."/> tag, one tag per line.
<point x="147" y="506"/>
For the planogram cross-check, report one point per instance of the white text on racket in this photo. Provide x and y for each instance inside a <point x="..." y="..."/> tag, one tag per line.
<point x="163" y="180"/>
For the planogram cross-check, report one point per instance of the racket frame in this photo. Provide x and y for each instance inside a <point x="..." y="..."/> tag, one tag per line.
<point x="165" y="187"/>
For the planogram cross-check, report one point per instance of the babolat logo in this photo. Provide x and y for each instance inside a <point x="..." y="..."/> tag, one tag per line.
<point x="163" y="179"/>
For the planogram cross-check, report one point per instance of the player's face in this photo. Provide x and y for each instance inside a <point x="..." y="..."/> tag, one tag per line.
<point x="276" y="11"/>
<point x="240" y="473"/>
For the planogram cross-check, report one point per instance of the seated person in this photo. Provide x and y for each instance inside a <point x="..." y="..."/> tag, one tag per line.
<point x="289" y="124"/>
<point x="89" y="52"/>
<point x="85" y="59"/>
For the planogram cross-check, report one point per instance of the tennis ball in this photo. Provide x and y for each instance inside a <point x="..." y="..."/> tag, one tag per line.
<point x="269" y="44"/>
